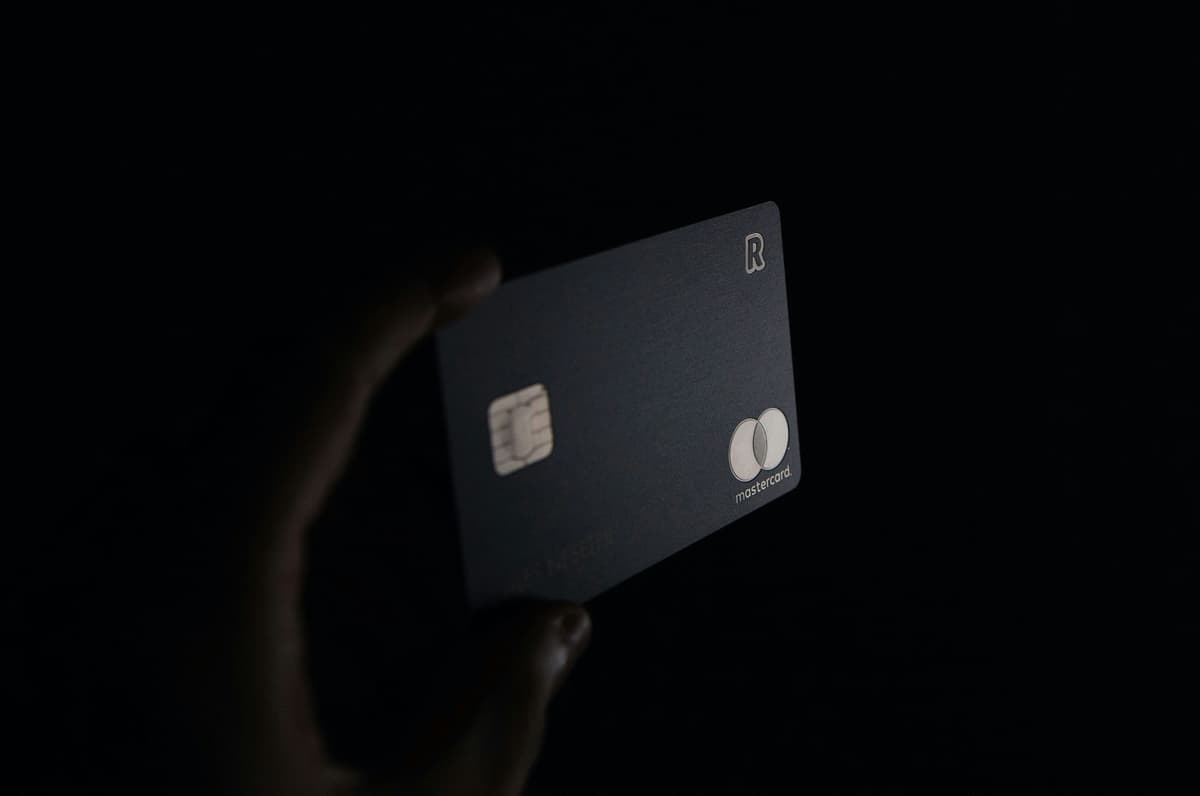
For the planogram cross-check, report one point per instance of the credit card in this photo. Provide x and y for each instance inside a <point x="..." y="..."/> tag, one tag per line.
<point x="604" y="414"/>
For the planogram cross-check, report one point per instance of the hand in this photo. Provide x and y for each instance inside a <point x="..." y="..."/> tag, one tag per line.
<point x="240" y="703"/>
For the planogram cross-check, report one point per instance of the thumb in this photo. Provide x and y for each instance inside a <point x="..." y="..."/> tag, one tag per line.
<point x="489" y="737"/>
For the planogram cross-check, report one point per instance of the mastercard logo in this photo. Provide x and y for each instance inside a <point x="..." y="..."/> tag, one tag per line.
<point x="758" y="444"/>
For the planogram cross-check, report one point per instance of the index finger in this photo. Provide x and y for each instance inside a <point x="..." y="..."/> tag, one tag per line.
<point x="343" y="375"/>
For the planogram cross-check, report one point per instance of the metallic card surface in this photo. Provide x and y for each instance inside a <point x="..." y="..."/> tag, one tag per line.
<point x="607" y="413"/>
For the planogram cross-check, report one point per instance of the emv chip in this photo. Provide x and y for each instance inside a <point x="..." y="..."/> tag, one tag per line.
<point x="520" y="426"/>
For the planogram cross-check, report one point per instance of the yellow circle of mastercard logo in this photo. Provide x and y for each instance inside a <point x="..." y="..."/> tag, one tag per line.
<point x="758" y="444"/>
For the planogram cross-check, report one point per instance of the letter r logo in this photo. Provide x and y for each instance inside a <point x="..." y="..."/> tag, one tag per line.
<point x="754" y="253"/>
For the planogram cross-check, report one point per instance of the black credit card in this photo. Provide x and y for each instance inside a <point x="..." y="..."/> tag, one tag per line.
<point x="607" y="413"/>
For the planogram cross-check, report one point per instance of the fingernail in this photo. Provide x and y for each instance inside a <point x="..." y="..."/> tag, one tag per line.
<point x="469" y="278"/>
<point x="573" y="629"/>
<point x="574" y="625"/>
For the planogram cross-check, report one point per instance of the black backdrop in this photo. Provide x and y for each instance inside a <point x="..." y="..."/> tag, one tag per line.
<point x="983" y="582"/>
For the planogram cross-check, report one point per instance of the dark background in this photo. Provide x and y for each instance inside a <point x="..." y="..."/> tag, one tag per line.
<point x="985" y="579"/>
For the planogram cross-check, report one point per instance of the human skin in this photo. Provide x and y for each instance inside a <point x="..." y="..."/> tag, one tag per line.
<point x="237" y="705"/>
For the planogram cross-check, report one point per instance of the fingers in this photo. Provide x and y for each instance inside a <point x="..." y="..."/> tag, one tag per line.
<point x="347" y="369"/>
<point x="282" y="458"/>
<point x="488" y="739"/>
